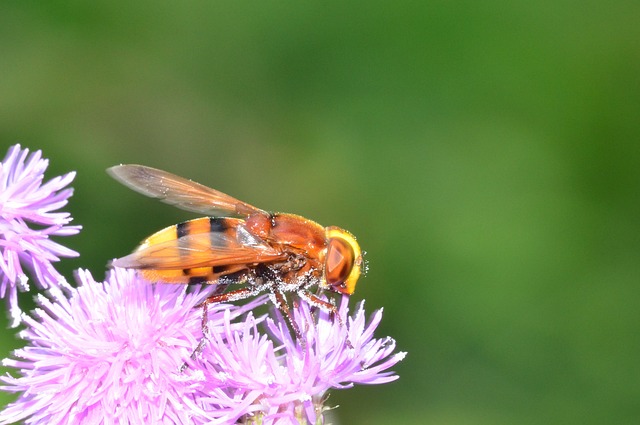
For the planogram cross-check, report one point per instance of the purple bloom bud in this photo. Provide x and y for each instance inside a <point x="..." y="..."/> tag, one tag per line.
<point x="27" y="220"/>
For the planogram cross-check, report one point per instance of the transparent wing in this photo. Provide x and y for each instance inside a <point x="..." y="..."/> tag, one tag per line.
<point x="199" y="250"/>
<point x="178" y="191"/>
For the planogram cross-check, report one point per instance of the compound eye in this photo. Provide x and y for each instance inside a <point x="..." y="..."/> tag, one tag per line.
<point x="339" y="262"/>
<point x="343" y="261"/>
<point x="342" y="266"/>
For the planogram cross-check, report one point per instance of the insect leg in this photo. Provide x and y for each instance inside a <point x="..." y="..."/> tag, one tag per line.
<point x="218" y="297"/>
<point x="220" y="288"/>
<point x="238" y="294"/>
<point x="280" y="301"/>
<point x="315" y="301"/>
<point x="268" y="277"/>
<point x="205" y="322"/>
<point x="222" y="282"/>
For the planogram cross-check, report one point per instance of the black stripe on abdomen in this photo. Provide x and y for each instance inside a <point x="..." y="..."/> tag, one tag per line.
<point x="182" y="229"/>
<point x="197" y="280"/>
<point x="217" y="224"/>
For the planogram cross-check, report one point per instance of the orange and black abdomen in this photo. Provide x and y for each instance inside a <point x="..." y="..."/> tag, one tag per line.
<point x="194" y="275"/>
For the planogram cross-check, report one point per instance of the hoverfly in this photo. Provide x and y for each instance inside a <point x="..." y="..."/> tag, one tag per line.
<point x="238" y="243"/>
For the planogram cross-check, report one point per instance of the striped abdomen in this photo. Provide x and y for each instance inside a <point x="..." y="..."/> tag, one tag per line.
<point x="222" y="234"/>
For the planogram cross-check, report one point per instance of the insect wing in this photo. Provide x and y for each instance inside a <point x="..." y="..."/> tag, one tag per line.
<point x="200" y="250"/>
<point x="178" y="191"/>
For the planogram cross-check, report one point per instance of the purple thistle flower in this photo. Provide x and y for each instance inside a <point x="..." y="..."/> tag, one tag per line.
<point x="280" y="381"/>
<point x="111" y="352"/>
<point x="27" y="221"/>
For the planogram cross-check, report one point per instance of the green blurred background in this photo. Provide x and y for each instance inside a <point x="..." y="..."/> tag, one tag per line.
<point x="486" y="155"/>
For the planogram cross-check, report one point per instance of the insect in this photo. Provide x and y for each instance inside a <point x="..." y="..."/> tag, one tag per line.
<point x="238" y="243"/>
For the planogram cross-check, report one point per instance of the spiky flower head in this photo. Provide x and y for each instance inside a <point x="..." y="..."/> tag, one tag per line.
<point x="28" y="218"/>
<point x="282" y="380"/>
<point x="110" y="353"/>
